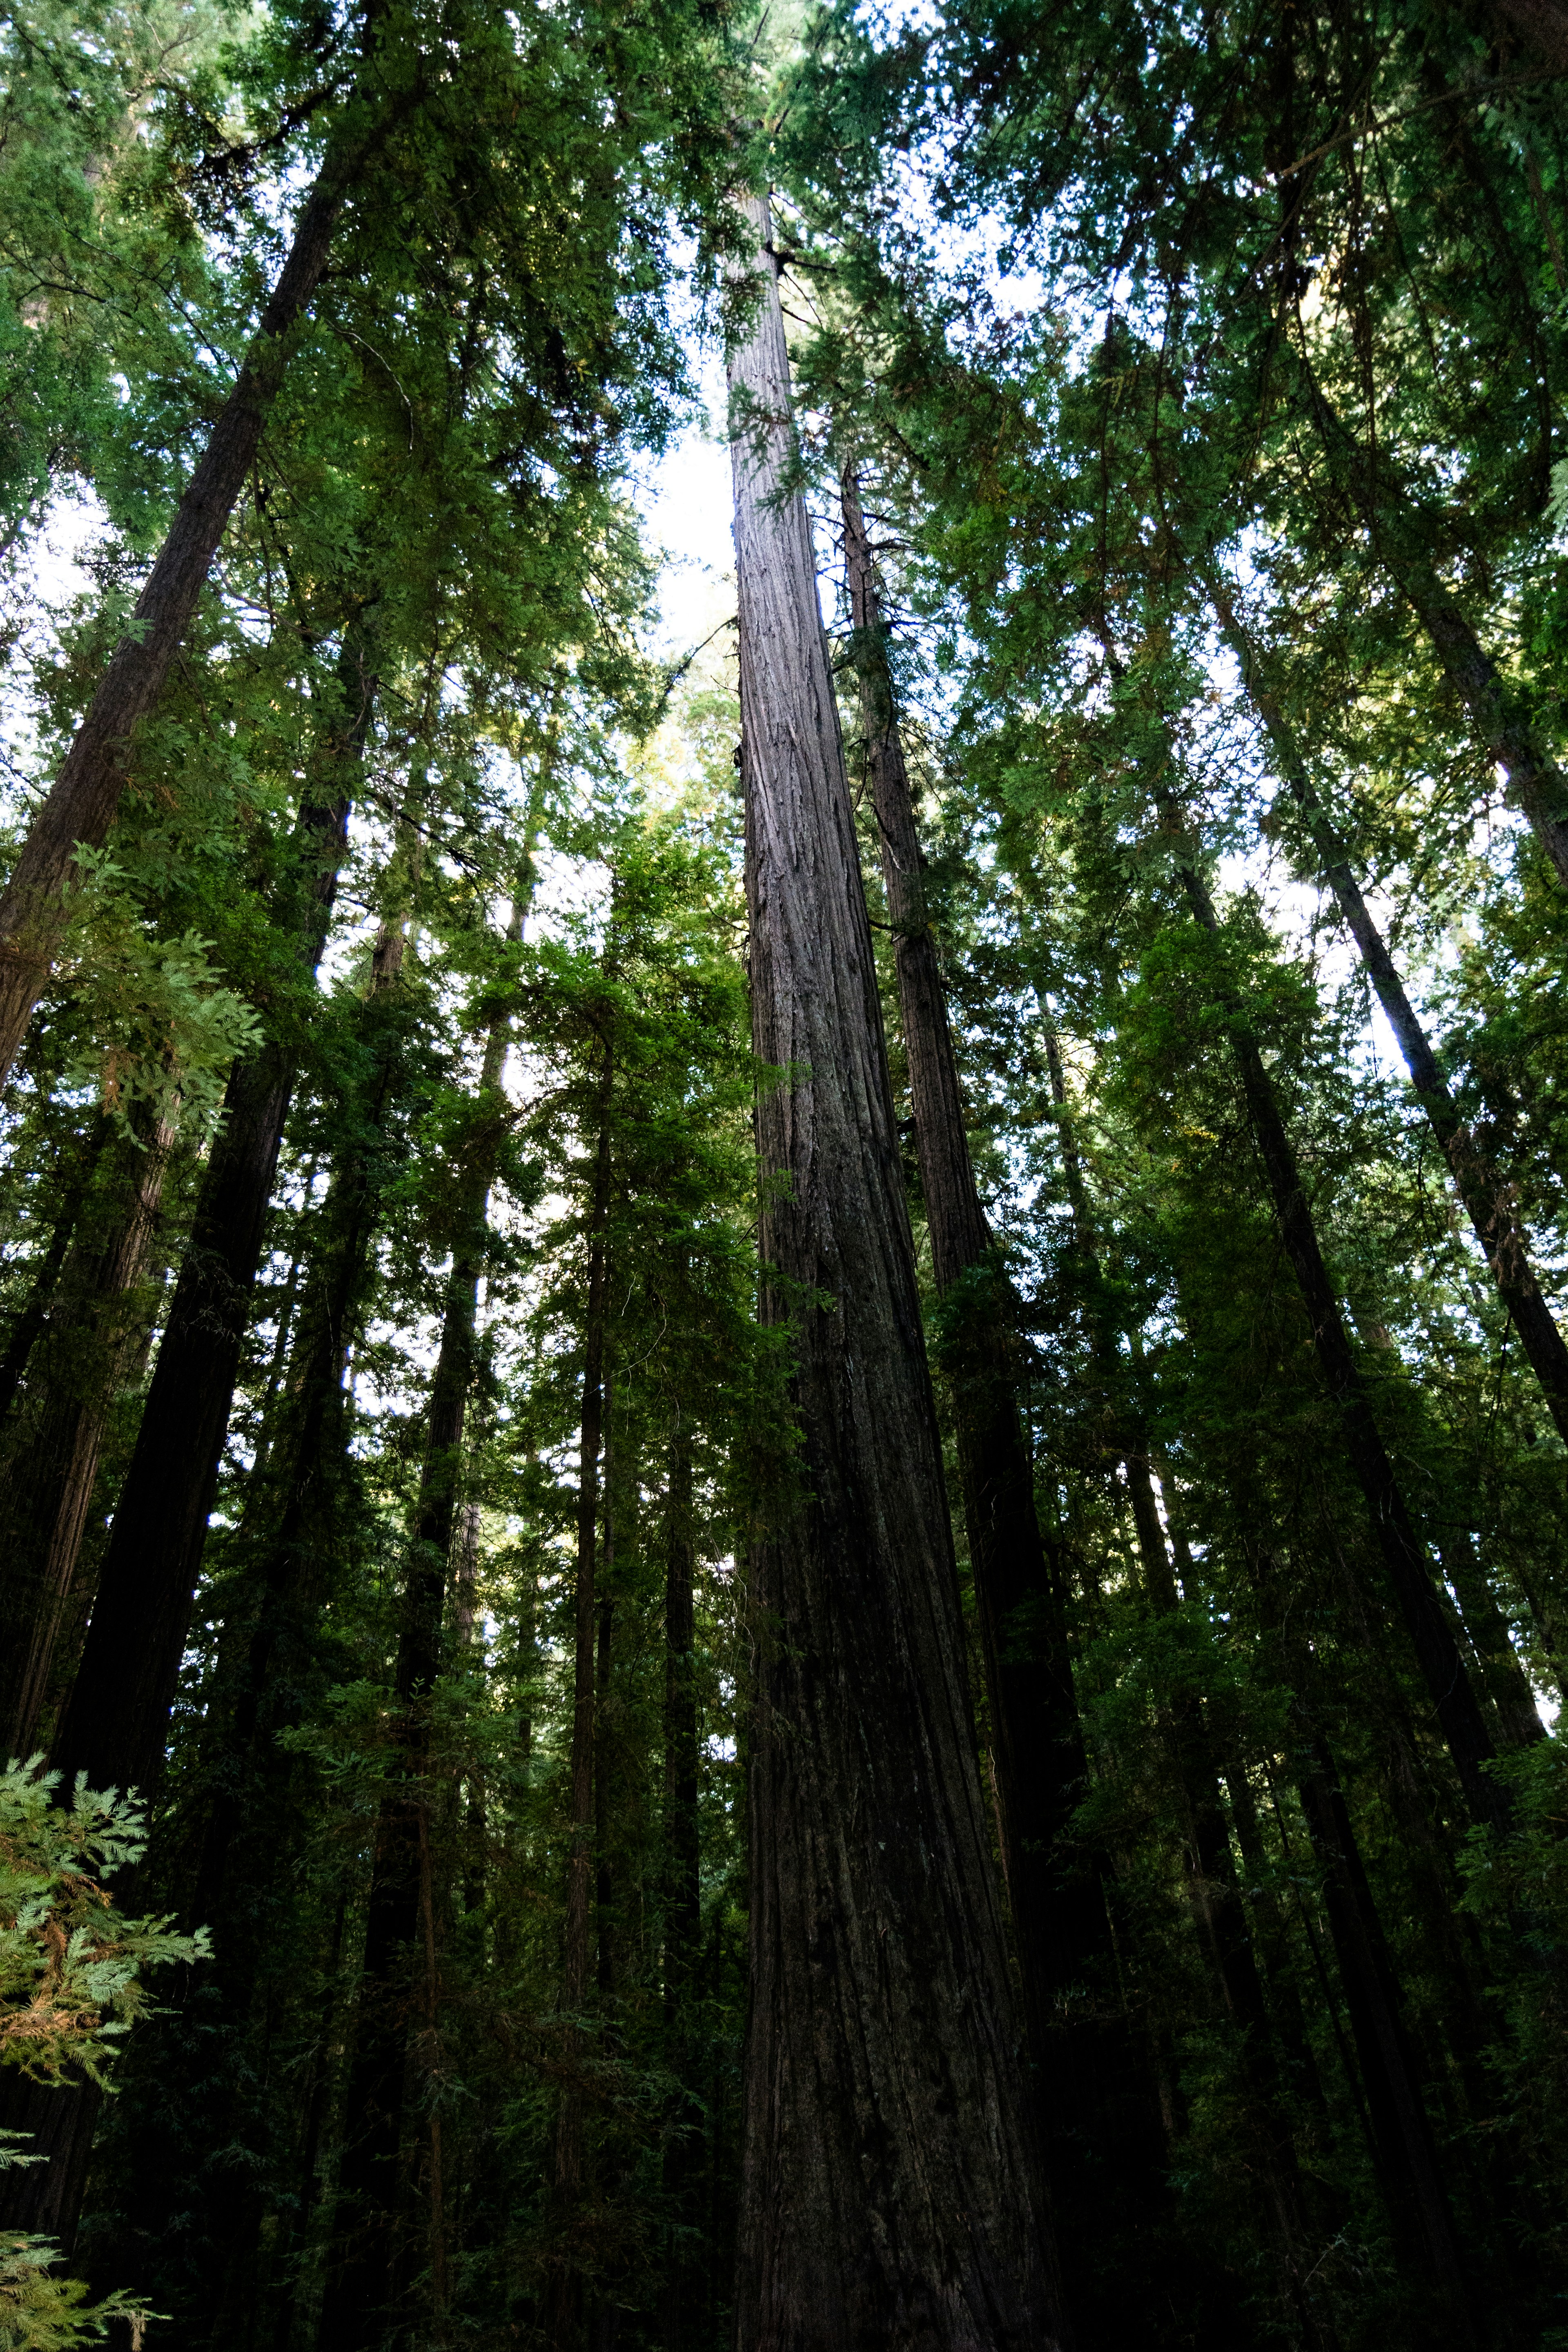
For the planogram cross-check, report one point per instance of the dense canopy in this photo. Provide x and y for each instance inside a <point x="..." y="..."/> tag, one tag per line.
<point x="783" y="1413"/>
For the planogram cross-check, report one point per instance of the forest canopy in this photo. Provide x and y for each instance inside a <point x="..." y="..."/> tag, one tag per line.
<point x="783" y="1409"/>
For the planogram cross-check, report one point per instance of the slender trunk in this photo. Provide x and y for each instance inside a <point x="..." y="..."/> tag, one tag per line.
<point x="1408" y="2165"/>
<point x="564" y="2297"/>
<point x="367" y="2239"/>
<point x="115" y="1721"/>
<point x="1098" y="2112"/>
<point x="476" y="1826"/>
<point x="881" y="2011"/>
<point x="683" y="2300"/>
<point x="1273" y="1941"/>
<point x="64" y="1447"/>
<point x="1502" y="727"/>
<point x="84" y="797"/>
<point x="80" y="1165"/>
<point x="1487" y="1198"/>
<point x="1442" y="1667"/>
<point x="1225" y="1934"/>
<point x="1518" y="1716"/>
<point x="603" y="1792"/>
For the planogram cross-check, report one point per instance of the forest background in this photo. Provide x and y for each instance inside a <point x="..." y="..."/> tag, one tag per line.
<point x="390" y="1435"/>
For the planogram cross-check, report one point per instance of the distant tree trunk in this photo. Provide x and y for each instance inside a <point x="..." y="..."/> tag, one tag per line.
<point x="84" y="797"/>
<point x="56" y="1479"/>
<point x="1408" y="2166"/>
<point x="1501" y="726"/>
<point x="1518" y="1716"/>
<point x="603" y="1791"/>
<point x="563" y="2302"/>
<point x="683" y="2297"/>
<point x="1098" y="2110"/>
<point x="75" y="1166"/>
<point x="1489" y="1200"/>
<point x="115" y="1721"/>
<point x="880" y="2013"/>
<point x="365" y="2280"/>
<point x="1224" y="1932"/>
<point x="1437" y="1654"/>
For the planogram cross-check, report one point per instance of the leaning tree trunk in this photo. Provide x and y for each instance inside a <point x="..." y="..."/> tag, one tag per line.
<point x="1501" y="723"/>
<point x="1437" y="1654"/>
<point x="1099" y="2116"/>
<point x="1486" y="1197"/>
<point x="81" y="803"/>
<point x="115" y="1722"/>
<point x="890" y="2179"/>
<point x="74" y="1167"/>
<point x="62" y="1446"/>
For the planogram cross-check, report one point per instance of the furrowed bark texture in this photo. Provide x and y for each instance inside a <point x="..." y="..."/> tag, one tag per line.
<point x="889" y="2192"/>
<point x="1452" y="1695"/>
<point x="1098" y="2112"/>
<point x="1489" y="1200"/>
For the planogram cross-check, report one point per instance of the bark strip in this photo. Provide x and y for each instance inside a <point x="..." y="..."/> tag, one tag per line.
<point x="890" y="2179"/>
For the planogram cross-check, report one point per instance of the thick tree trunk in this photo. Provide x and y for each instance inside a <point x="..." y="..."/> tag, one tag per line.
<point x="1489" y="1199"/>
<point x="115" y="1721"/>
<point x="63" y="1444"/>
<point x="1502" y="728"/>
<point x="563" y="2302"/>
<point x="1437" y="1654"/>
<point x="81" y="803"/>
<point x="890" y="2179"/>
<point x="1099" y="2116"/>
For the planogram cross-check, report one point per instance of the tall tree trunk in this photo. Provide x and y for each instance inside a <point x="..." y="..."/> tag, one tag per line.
<point x="1518" y="1716"/>
<point x="76" y="1165"/>
<point x="63" y="1445"/>
<point x="1099" y="2114"/>
<point x="115" y="1721"/>
<point x="1437" y="1654"/>
<point x="1409" y="2169"/>
<point x="683" y="2298"/>
<point x="1225" y="1933"/>
<point x="81" y="803"/>
<point x="1487" y="1198"/>
<point x="1500" y="724"/>
<point x="564" y="2301"/>
<point x="367" y="2249"/>
<point x="603" y="1720"/>
<point x="890" y="2179"/>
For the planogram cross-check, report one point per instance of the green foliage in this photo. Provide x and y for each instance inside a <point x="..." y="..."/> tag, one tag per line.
<point x="70" y="1966"/>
